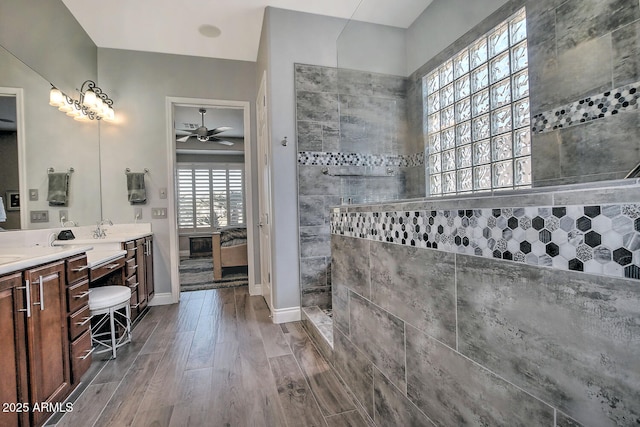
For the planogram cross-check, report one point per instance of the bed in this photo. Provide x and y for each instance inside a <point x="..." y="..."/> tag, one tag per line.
<point x="229" y="247"/>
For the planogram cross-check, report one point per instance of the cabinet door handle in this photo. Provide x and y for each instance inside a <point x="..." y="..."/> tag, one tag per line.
<point x="86" y="355"/>
<point x="79" y="269"/>
<point x="27" y="288"/>
<point x="84" y="322"/>
<point x="135" y="306"/>
<point x="41" y="286"/>
<point x="82" y="295"/>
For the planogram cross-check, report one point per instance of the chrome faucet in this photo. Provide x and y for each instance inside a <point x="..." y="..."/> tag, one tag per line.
<point x="99" y="232"/>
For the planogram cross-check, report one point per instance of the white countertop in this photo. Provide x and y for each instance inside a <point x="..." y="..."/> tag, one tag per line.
<point x="20" y="258"/>
<point x="110" y="238"/>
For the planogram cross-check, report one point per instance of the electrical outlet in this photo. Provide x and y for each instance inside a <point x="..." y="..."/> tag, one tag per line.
<point x="163" y="193"/>
<point x="64" y="216"/>
<point x="137" y="213"/>
<point x="33" y="194"/>
<point x="39" y="216"/>
<point x="158" y="213"/>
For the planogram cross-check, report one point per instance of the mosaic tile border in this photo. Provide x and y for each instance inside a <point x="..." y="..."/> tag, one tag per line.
<point x="603" y="240"/>
<point x="323" y="158"/>
<point x="587" y="109"/>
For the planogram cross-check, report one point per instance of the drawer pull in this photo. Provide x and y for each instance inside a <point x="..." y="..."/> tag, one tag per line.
<point x="82" y="295"/>
<point x="86" y="320"/>
<point x="79" y="269"/>
<point x="112" y="266"/>
<point x="133" y="266"/>
<point x="86" y="355"/>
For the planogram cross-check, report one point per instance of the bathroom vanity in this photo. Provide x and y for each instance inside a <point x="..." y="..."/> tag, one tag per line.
<point x="44" y="311"/>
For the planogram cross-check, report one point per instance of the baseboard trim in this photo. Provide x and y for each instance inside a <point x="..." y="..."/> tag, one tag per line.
<point x="161" y="299"/>
<point x="255" y="289"/>
<point x="284" y="315"/>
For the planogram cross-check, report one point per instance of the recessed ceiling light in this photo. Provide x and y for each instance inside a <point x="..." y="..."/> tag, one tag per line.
<point x="209" y="30"/>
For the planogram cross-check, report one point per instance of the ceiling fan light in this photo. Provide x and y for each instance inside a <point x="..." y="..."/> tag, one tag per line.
<point x="56" y="98"/>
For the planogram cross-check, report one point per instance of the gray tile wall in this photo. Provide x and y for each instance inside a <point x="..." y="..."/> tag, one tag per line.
<point x="357" y="118"/>
<point x="482" y="342"/>
<point x="577" y="49"/>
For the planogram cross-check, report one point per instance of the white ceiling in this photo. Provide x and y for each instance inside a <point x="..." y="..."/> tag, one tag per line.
<point x="170" y="26"/>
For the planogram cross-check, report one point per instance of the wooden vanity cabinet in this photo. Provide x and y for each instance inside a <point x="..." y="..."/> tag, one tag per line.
<point x="139" y="273"/>
<point x="47" y="342"/>
<point x="78" y="316"/>
<point x="148" y="267"/>
<point x="13" y="357"/>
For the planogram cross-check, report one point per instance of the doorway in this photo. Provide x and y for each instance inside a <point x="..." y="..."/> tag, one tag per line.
<point x="12" y="160"/>
<point x="201" y="134"/>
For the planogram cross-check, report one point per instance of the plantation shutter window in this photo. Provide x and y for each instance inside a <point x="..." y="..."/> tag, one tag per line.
<point x="210" y="196"/>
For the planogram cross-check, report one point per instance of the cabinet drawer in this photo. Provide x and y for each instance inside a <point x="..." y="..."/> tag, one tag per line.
<point x="103" y="270"/>
<point x="77" y="268"/>
<point x="130" y="247"/>
<point x="80" y="356"/>
<point x="77" y="296"/>
<point x="132" y="282"/>
<point x="79" y="322"/>
<point x="131" y="266"/>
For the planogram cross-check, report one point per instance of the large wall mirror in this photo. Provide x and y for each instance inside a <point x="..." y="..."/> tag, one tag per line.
<point x="36" y="138"/>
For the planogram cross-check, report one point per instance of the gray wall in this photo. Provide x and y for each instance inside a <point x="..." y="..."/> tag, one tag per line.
<point x="48" y="39"/>
<point x="141" y="83"/>
<point x="291" y="37"/>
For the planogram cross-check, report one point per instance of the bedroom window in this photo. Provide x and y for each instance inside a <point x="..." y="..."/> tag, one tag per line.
<point x="477" y="114"/>
<point x="210" y="196"/>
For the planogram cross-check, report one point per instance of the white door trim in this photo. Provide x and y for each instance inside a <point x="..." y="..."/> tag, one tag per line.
<point x="174" y="252"/>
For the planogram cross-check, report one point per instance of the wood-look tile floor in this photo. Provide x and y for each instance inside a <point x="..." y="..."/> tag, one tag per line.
<point x="214" y="359"/>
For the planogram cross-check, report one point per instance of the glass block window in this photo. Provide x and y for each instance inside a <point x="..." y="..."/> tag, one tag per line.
<point x="477" y="114"/>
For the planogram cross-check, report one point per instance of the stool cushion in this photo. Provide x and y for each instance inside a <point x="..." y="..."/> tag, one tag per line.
<point x="108" y="296"/>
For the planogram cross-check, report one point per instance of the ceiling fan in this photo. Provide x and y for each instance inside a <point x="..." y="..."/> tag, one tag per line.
<point x="203" y="134"/>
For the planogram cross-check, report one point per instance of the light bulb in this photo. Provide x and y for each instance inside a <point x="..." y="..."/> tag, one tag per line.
<point x="89" y="100"/>
<point x="56" y="98"/>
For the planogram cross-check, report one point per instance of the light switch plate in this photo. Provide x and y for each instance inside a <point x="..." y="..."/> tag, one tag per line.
<point x="158" y="213"/>
<point x="39" y="216"/>
<point x="33" y="194"/>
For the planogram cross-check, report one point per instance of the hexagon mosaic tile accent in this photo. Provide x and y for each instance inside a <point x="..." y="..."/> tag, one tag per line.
<point x="603" y="240"/>
<point x="321" y="158"/>
<point x="591" y="108"/>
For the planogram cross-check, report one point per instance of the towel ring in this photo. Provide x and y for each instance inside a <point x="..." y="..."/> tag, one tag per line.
<point x="128" y="170"/>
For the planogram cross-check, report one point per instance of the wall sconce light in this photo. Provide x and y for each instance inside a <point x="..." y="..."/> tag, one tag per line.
<point x="93" y="103"/>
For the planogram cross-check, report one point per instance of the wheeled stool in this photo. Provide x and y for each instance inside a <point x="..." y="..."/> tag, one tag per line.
<point x="105" y="303"/>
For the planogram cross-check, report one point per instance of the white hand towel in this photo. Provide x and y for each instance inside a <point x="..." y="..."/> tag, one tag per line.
<point x="3" y="213"/>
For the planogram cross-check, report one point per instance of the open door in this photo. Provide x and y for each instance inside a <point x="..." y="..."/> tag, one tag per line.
<point x="264" y="183"/>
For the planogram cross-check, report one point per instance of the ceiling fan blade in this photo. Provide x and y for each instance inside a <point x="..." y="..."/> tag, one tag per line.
<point x="185" y="138"/>
<point x="183" y="132"/>
<point x="218" y="130"/>
<point x="223" y="142"/>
